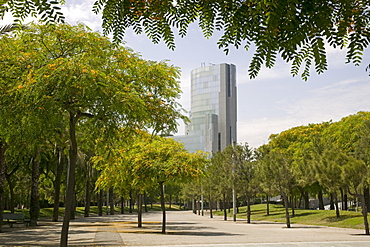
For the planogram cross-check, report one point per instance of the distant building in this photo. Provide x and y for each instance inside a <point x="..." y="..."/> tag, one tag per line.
<point x="213" y="112"/>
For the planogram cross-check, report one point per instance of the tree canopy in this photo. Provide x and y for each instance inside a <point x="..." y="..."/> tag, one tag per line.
<point x="64" y="78"/>
<point x="145" y="161"/>
<point x="297" y="30"/>
<point x="331" y="155"/>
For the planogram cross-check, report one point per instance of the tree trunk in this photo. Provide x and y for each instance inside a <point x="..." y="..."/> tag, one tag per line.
<point x="364" y="214"/>
<point x="71" y="180"/>
<point x="139" y="210"/>
<point x="321" y="200"/>
<point x="100" y="203"/>
<point x="306" y="200"/>
<point x="2" y="181"/>
<point x="57" y="183"/>
<point x="224" y="206"/>
<point x="122" y="205"/>
<point x="336" y="205"/>
<point x="11" y="191"/>
<point x="248" y="209"/>
<point x="346" y="202"/>
<point x="111" y="200"/>
<point x="35" y="202"/>
<point x="267" y="205"/>
<point x="286" y="204"/>
<point x="367" y="197"/>
<point x="161" y="190"/>
<point x="87" y="190"/>
<point x="342" y="197"/>
<point x="210" y="207"/>
<point x="130" y="208"/>
<point x="332" y="204"/>
<point x="74" y="202"/>
<point x="292" y="205"/>
<point x="300" y="205"/>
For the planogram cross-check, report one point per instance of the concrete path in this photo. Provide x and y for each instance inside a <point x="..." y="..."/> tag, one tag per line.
<point x="183" y="229"/>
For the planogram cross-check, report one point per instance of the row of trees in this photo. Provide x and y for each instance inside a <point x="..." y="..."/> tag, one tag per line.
<point x="330" y="158"/>
<point x="145" y="163"/>
<point x="66" y="94"/>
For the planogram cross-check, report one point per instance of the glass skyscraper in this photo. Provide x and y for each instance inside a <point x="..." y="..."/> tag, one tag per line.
<point x="213" y="112"/>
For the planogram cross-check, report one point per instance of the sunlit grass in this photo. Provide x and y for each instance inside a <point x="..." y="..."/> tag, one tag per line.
<point x="348" y="219"/>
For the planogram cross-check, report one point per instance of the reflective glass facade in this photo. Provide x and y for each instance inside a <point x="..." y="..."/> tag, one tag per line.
<point x="213" y="109"/>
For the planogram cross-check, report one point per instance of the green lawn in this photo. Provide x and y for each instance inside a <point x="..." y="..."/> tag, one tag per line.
<point x="348" y="219"/>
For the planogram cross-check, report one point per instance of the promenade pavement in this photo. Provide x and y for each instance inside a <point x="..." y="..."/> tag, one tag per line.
<point x="183" y="229"/>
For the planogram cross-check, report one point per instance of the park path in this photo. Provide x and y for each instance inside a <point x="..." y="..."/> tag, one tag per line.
<point x="183" y="229"/>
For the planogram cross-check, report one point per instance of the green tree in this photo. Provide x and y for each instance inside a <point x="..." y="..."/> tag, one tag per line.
<point x="328" y="167"/>
<point x="19" y="128"/>
<point x="350" y="135"/>
<point x="7" y="28"/>
<point x="308" y="148"/>
<point x="355" y="174"/>
<point x="276" y="169"/>
<point x="77" y="77"/>
<point x="221" y="172"/>
<point x="192" y="192"/>
<point x="233" y="170"/>
<point x="246" y="174"/>
<point x="151" y="160"/>
<point x="2" y="180"/>
<point x="210" y="183"/>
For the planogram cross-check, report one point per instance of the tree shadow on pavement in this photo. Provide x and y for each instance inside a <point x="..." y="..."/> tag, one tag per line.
<point x="203" y="233"/>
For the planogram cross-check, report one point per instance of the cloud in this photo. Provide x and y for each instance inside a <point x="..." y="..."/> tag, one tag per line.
<point x="9" y="19"/>
<point x="257" y="131"/>
<point x="327" y="102"/>
<point x="82" y="12"/>
<point x="336" y="100"/>
<point x="76" y="12"/>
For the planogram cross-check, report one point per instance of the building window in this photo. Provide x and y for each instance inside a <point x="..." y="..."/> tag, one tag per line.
<point x="228" y="81"/>
<point x="219" y="141"/>
<point x="231" y="136"/>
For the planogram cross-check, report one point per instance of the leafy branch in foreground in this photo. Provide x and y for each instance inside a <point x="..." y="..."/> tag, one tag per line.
<point x="298" y="30"/>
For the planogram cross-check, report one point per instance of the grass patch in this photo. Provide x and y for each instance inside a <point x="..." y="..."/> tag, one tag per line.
<point x="348" y="219"/>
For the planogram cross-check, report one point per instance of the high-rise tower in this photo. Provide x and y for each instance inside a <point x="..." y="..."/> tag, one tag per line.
<point x="213" y="112"/>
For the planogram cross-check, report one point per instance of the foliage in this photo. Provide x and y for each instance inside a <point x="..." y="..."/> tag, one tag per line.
<point x="330" y="155"/>
<point x="72" y="74"/>
<point x="49" y="11"/>
<point x="347" y="146"/>
<point x="145" y="161"/>
<point x="62" y="77"/>
<point x="297" y="30"/>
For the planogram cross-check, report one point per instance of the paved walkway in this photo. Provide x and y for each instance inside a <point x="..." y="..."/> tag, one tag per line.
<point x="183" y="229"/>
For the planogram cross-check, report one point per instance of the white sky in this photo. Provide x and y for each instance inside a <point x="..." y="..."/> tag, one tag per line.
<point x="271" y="103"/>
